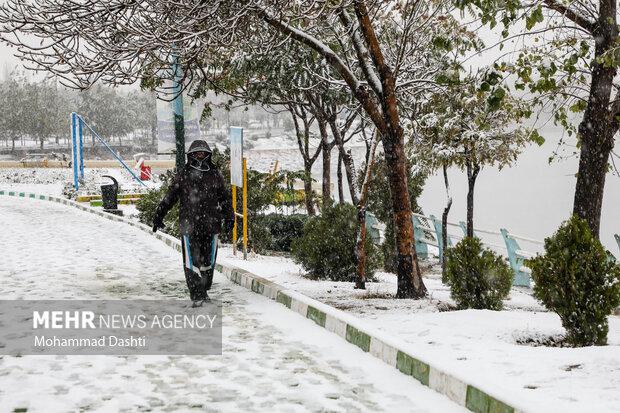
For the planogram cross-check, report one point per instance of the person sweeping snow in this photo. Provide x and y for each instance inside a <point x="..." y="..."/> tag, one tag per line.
<point x="204" y="202"/>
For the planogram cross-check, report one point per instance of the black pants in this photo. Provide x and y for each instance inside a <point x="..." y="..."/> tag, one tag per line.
<point x="199" y="254"/>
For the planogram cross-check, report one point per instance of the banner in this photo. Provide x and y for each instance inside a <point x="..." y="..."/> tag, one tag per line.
<point x="236" y="156"/>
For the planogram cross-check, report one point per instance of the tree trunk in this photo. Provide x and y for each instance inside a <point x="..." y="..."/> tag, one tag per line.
<point x="444" y="222"/>
<point x="154" y="134"/>
<point x="598" y="126"/>
<point x="327" y="159"/>
<point x="308" y="190"/>
<point x="347" y="160"/>
<point x="339" y="173"/>
<point x="472" y="174"/>
<point x="410" y="284"/>
<point x="360" y="251"/>
<point x="590" y="185"/>
<point x="303" y="138"/>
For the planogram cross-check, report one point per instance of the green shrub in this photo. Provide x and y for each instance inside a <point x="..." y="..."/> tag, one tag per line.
<point x="273" y="232"/>
<point x="478" y="278"/>
<point x="284" y="229"/>
<point x="327" y="248"/>
<point x="259" y="237"/>
<point x="147" y="205"/>
<point x="579" y="280"/>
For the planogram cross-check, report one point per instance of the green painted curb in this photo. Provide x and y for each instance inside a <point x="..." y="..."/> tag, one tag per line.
<point x="413" y="367"/>
<point x="257" y="287"/>
<point x="284" y="299"/>
<point x="359" y="338"/>
<point x="480" y="402"/>
<point x="317" y="316"/>
<point x="235" y="277"/>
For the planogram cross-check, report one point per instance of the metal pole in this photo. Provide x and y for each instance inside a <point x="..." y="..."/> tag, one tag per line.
<point x="234" y="205"/>
<point x="74" y="151"/>
<point x="81" y="154"/>
<point x="179" y="122"/>
<point x="245" y="211"/>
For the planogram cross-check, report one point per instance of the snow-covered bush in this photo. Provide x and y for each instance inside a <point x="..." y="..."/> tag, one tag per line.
<point x="578" y="280"/>
<point x="282" y="229"/>
<point x="478" y="278"/>
<point x="327" y="248"/>
<point x="275" y="232"/>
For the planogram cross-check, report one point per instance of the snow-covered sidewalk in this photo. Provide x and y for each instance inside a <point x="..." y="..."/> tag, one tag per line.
<point x="273" y="359"/>
<point x="481" y="347"/>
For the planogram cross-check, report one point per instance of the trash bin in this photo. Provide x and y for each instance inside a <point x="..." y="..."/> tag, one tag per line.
<point x="109" y="194"/>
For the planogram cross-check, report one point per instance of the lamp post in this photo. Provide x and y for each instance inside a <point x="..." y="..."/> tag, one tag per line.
<point x="177" y="107"/>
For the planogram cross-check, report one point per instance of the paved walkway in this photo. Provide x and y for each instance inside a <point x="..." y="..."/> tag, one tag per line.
<point x="274" y="360"/>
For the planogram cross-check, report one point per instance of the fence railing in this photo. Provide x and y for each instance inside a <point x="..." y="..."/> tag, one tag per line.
<point x="428" y="240"/>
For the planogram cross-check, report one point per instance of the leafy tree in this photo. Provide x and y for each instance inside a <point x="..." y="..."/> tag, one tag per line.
<point x="571" y="66"/>
<point x="14" y="110"/>
<point x="468" y="129"/>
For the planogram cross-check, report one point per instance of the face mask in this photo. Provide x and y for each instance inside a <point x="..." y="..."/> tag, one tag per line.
<point x="201" y="165"/>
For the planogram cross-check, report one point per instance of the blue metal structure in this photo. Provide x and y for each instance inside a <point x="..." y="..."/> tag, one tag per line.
<point x="372" y="228"/>
<point x="74" y="153"/>
<point x="80" y="132"/>
<point x="439" y="234"/>
<point x="423" y="236"/>
<point x="522" y="278"/>
<point x="77" y="131"/>
<point x="179" y="117"/>
<point x="463" y="226"/>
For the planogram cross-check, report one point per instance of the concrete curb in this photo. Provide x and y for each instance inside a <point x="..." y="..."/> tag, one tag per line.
<point x="336" y="321"/>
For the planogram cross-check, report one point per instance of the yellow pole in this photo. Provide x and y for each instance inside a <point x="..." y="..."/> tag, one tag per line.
<point x="245" y="210"/>
<point x="234" y="205"/>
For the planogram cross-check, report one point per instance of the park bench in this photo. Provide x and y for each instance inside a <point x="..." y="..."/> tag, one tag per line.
<point x="428" y="233"/>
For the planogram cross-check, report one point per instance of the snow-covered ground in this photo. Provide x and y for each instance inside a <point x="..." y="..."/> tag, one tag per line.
<point x="52" y="181"/>
<point x="273" y="359"/>
<point x="483" y="347"/>
<point x="480" y="346"/>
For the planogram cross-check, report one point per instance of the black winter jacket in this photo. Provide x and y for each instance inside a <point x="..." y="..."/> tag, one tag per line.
<point x="204" y="199"/>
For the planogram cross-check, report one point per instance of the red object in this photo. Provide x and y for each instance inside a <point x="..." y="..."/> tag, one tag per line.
<point x="145" y="172"/>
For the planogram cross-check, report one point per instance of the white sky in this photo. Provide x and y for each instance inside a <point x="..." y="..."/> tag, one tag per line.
<point x="7" y="59"/>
